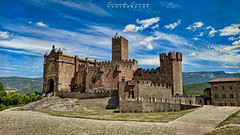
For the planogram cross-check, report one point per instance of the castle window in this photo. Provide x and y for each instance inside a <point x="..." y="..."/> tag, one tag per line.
<point x="232" y="104"/>
<point x="216" y="96"/>
<point x="222" y="87"/>
<point x="223" y="95"/>
<point x="230" y="87"/>
<point x="231" y="96"/>
<point x="215" y="87"/>
<point x="220" y="104"/>
<point x="225" y="104"/>
<point x="123" y="78"/>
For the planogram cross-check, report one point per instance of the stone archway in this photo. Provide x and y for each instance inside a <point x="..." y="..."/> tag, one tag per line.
<point x="51" y="86"/>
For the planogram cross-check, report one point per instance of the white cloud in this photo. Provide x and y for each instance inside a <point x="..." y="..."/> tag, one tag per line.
<point x="147" y="42"/>
<point x="5" y="35"/>
<point x="132" y="28"/>
<point x="84" y="6"/>
<point x="144" y="24"/>
<point x="208" y="27"/>
<point x="173" y="25"/>
<point x="212" y="32"/>
<point x="174" y="40"/>
<point x="192" y="54"/>
<point x="230" y="30"/>
<point x="232" y="38"/>
<point x="149" y="60"/>
<point x="155" y="26"/>
<point x="20" y="52"/>
<point x="200" y="34"/>
<point x="41" y="24"/>
<point x="195" y="38"/>
<point x="167" y="4"/>
<point x="236" y="43"/>
<point x="195" y="25"/>
<point x="147" y="22"/>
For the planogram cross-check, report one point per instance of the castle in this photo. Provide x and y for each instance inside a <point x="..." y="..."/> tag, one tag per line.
<point x="134" y="89"/>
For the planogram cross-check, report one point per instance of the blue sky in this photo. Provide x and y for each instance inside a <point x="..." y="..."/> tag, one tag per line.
<point x="206" y="32"/>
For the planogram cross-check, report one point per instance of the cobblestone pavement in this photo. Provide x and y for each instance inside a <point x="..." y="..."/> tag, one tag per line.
<point x="200" y="121"/>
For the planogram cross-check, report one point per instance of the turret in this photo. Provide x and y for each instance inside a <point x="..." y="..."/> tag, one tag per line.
<point x="171" y="71"/>
<point x="59" y="51"/>
<point x="53" y="48"/>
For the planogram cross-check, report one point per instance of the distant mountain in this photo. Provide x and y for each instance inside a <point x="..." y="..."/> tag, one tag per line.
<point x="16" y="83"/>
<point x="28" y="85"/>
<point x="200" y="77"/>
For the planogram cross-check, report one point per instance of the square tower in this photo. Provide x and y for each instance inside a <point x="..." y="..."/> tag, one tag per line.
<point x="119" y="48"/>
<point x="171" y="71"/>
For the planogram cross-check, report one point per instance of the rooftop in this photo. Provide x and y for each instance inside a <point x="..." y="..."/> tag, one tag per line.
<point x="235" y="79"/>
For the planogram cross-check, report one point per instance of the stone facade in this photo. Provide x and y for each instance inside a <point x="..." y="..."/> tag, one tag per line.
<point x="225" y="91"/>
<point x="69" y="76"/>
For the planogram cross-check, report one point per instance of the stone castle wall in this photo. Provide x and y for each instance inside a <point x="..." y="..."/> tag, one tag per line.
<point x="107" y="74"/>
<point x="144" y="90"/>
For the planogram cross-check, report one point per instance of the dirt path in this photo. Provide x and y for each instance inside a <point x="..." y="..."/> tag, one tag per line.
<point x="200" y="121"/>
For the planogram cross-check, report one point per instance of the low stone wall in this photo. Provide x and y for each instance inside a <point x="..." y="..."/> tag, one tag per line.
<point x="66" y="94"/>
<point x="151" y="106"/>
<point x="146" y="106"/>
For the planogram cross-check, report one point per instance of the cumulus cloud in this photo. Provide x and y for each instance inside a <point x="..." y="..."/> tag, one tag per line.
<point x="155" y="26"/>
<point x="212" y="32"/>
<point x="201" y="34"/>
<point x="173" y="25"/>
<point x="195" y="26"/>
<point x="143" y="24"/>
<point x="230" y="30"/>
<point x="41" y="24"/>
<point x="5" y="35"/>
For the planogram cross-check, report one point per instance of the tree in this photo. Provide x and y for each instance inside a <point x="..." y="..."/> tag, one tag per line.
<point x="32" y="97"/>
<point x="25" y="99"/>
<point x="2" y="90"/>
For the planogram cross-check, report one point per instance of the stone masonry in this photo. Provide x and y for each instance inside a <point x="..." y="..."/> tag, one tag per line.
<point x="64" y="74"/>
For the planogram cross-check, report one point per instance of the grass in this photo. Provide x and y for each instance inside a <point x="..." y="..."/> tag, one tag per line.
<point x="94" y="112"/>
<point x="234" y="119"/>
<point x="226" y="131"/>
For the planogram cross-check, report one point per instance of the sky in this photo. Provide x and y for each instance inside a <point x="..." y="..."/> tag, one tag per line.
<point x="206" y="32"/>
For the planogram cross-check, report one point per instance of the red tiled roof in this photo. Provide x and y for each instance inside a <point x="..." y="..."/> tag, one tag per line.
<point x="235" y="79"/>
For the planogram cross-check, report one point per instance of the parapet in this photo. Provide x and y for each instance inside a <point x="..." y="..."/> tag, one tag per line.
<point x="118" y="38"/>
<point x="151" y="84"/>
<point x="122" y="63"/>
<point x="171" y="56"/>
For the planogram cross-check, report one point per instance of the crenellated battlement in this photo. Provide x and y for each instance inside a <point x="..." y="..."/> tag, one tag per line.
<point x="150" y="83"/>
<point x="119" y="63"/>
<point x="142" y="72"/>
<point x="171" y="56"/>
<point x="118" y="38"/>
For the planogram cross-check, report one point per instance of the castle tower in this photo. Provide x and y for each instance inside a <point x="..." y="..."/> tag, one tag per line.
<point x="119" y="48"/>
<point x="171" y="71"/>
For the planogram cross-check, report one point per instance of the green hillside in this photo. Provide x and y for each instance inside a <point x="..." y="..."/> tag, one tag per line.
<point x="195" y="89"/>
